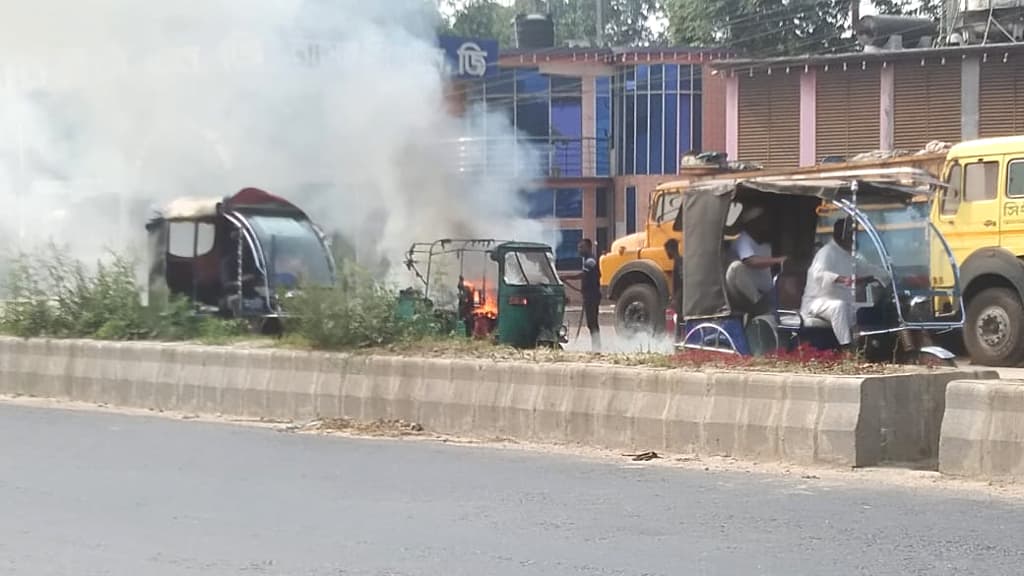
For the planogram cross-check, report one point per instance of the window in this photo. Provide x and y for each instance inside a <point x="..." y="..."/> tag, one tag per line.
<point x="530" y="268"/>
<point x="555" y="203"/>
<point x="630" y="209"/>
<point x="951" y="196"/>
<point x="1015" y="179"/>
<point x="540" y="204"/>
<point x="642" y="131"/>
<point x="668" y="207"/>
<point x="567" y="135"/>
<point x="603" y="130"/>
<point x="601" y="240"/>
<point x="569" y="203"/>
<point x="981" y="181"/>
<point x="190" y="239"/>
<point x="601" y="203"/>
<point x="566" y="253"/>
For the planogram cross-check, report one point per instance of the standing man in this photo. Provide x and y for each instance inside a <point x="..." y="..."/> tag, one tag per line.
<point x="590" y="289"/>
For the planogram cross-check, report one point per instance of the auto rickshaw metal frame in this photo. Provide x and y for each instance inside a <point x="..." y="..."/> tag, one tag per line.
<point x="545" y="323"/>
<point x="710" y="323"/>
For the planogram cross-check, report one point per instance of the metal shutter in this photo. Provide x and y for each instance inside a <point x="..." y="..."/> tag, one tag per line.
<point x="1002" y="87"/>
<point x="847" y="109"/>
<point x="926" y="103"/>
<point x="769" y="130"/>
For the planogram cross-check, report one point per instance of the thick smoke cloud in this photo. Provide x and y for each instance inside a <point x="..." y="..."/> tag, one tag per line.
<point x="110" y="108"/>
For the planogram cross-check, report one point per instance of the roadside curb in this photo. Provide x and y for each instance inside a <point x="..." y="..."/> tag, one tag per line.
<point x="801" y="419"/>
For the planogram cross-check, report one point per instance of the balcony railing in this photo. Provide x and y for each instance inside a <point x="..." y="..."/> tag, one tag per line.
<point x="539" y="157"/>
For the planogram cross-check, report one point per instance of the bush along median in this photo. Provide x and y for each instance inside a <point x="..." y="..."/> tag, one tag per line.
<point x="55" y="296"/>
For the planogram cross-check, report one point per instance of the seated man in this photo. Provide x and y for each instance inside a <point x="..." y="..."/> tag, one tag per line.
<point x="829" y="292"/>
<point x="749" y="279"/>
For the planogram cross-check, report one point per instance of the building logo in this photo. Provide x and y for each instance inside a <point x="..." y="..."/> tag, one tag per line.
<point x="472" y="60"/>
<point x="468" y="57"/>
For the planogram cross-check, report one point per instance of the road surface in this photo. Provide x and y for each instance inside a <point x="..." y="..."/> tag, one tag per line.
<point x="94" y="493"/>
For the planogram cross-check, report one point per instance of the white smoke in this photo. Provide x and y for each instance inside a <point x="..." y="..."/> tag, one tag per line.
<point x="110" y="108"/>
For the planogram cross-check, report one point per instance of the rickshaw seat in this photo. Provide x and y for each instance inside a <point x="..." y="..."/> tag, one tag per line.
<point x="789" y="292"/>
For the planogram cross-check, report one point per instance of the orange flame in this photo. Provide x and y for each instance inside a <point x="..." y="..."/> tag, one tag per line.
<point x="485" y="303"/>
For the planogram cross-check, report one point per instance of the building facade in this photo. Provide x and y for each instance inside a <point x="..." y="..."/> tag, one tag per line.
<point x="609" y="126"/>
<point x="799" y="111"/>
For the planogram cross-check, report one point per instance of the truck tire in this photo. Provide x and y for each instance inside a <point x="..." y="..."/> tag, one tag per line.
<point x="639" y="311"/>
<point x="994" y="328"/>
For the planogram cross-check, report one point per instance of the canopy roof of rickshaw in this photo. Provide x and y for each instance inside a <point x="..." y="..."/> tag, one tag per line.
<point x="870" y="183"/>
<point x="706" y="206"/>
<point x="202" y="208"/>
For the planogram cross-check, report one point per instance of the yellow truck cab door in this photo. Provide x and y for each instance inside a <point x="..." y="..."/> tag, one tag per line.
<point x="969" y="211"/>
<point x="1011" y="231"/>
<point x="664" y="209"/>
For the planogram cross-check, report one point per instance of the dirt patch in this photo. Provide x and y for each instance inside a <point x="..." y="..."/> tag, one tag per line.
<point x="380" y="427"/>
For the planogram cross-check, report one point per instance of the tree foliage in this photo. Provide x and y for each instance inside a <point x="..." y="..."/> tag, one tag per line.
<point x="776" y="28"/>
<point x="624" y="22"/>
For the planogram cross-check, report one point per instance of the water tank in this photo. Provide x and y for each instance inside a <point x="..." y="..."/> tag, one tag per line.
<point x="534" y="32"/>
<point x="986" y="5"/>
<point x="878" y="29"/>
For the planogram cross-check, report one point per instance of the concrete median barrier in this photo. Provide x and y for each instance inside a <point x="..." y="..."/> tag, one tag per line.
<point x="983" y="430"/>
<point x="844" y="421"/>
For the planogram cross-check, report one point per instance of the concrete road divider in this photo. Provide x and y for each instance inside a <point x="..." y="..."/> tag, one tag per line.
<point x="845" y="421"/>
<point x="983" y="430"/>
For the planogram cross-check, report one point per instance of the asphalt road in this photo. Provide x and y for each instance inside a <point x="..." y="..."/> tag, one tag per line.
<point x="90" y="493"/>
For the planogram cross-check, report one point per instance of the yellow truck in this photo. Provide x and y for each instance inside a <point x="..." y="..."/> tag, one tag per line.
<point x="981" y="214"/>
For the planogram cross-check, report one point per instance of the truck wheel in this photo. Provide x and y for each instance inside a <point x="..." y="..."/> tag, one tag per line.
<point x="993" y="328"/>
<point x="639" y="311"/>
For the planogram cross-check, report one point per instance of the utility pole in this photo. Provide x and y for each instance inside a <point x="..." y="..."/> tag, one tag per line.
<point x="854" y="15"/>
<point x="600" y="23"/>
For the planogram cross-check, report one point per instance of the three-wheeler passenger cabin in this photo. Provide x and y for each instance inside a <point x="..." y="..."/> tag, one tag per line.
<point x="236" y="255"/>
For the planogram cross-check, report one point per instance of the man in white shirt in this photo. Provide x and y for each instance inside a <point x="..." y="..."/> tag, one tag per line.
<point x="749" y="279"/>
<point x="829" y="292"/>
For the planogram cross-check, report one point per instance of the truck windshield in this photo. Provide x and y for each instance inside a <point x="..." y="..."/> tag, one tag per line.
<point x="293" y="249"/>
<point x="530" y="268"/>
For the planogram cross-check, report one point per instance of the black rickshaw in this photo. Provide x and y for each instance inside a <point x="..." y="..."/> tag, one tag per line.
<point x="237" y="257"/>
<point x="505" y="290"/>
<point x="917" y="296"/>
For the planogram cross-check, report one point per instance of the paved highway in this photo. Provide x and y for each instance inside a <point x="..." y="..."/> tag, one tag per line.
<point x="92" y="493"/>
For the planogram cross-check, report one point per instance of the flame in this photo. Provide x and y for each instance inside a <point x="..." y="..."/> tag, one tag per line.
<point x="485" y="303"/>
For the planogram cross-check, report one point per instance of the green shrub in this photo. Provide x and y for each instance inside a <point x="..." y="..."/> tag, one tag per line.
<point x="358" y="312"/>
<point x="57" y="296"/>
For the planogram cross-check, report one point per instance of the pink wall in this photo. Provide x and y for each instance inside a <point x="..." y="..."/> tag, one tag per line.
<point x="808" y="117"/>
<point x="713" y="108"/>
<point x="885" y="117"/>
<point x="732" y="117"/>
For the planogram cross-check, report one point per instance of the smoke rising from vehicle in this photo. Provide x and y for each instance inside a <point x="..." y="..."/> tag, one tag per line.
<point x="111" y="108"/>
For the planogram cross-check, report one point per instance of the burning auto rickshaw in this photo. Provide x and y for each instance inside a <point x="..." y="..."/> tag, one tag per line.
<point x="508" y="291"/>
<point x="916" y="294"/>
<point x="236" y="257"/>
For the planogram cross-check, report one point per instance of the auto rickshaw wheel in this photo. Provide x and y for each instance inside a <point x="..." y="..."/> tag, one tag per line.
<point x="639" y="310"/>
<point x="993" y="331"/>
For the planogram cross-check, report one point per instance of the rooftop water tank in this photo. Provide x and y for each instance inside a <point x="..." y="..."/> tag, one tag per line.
<point x="878" y="29"/>
<point x="534" y="31"/>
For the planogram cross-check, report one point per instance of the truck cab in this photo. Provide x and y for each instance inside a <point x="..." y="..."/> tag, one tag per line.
<point x="981" y="213"/>
<point x="636" y="272"/>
